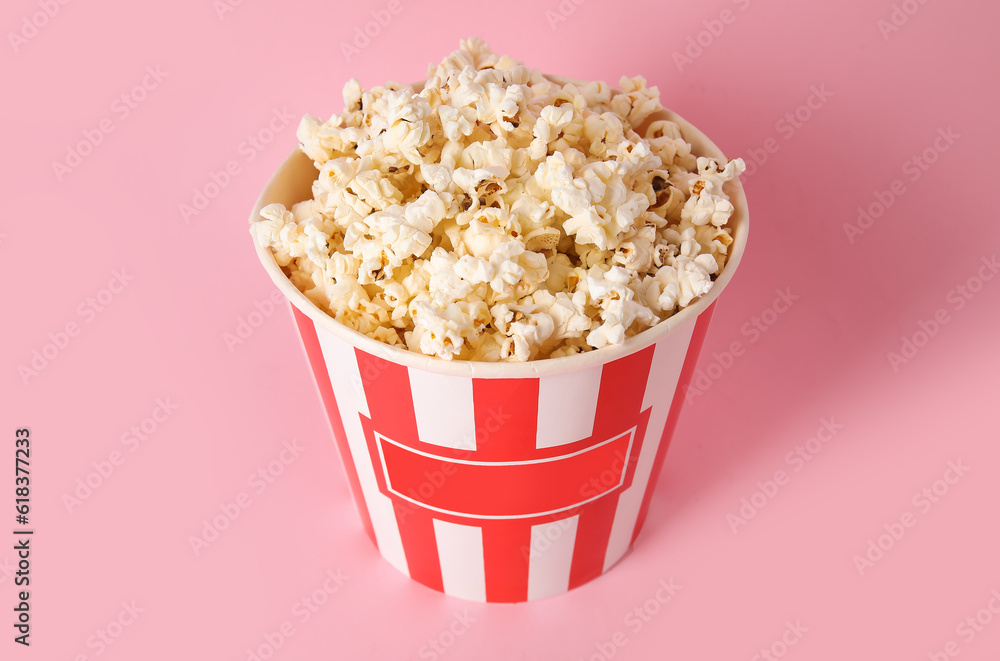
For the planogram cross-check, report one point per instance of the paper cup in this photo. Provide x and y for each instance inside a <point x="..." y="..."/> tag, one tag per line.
<point x="502" y="482"/>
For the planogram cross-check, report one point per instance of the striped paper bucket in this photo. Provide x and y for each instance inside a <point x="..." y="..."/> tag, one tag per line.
<point x="501" y="482"/>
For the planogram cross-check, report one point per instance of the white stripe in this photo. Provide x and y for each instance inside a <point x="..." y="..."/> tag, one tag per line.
<point x="342" y="364"/>
<point x="460" y="550"/>
<point x="551" y="557"/>
<point x="445" y="412"/>
<point x="664" y="373"/>
<point x="567" y="404"/>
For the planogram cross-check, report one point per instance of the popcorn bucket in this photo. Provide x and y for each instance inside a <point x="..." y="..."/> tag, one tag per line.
<point x="502" y="482"/>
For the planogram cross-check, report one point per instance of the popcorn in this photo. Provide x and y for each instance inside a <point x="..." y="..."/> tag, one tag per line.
<point x="488" y="228"/>
<point x="635" y="253"/>
<point x="517" y="271"/>
<point x="437" y="331"/>
<point x="637" y="101"/>
<point x="525" y="329"/>
<point x="498" y="215"/>
<point x="593" y="226"/>
<point x="666" y="141"/>
<point x="705" y="209"/>
<point x="270" y="232"/>
<point x="543" y="238"/>
<point x="611" y="291"/>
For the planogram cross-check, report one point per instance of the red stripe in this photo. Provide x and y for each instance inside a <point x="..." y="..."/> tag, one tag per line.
<point x="506" y="418"/>
<point x="416" y="527"/>
<point x="619" y="404"/>
<point x="505" y="561"/>
<point x="623" y="384"/>
<point x="506" y="425"/>
<point x="310" y="341"/>
<point x="390" y="403"/>
<point x="690" y="362"/>
<point x="593" y="530"/>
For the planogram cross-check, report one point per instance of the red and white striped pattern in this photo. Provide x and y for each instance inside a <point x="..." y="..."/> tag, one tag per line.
<point x="503" y="490"/>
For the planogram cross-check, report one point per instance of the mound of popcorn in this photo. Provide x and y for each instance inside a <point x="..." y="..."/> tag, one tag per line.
<point x="496" y="215"/>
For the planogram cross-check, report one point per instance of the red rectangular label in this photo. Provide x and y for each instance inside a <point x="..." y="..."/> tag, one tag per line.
<point x="504" y="490"/>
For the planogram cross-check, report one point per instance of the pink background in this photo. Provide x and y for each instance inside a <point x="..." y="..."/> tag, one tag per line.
<point x="164" y="336"/>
